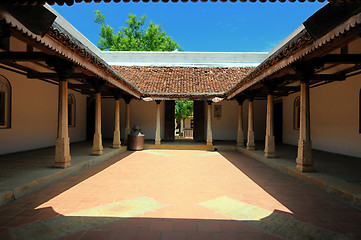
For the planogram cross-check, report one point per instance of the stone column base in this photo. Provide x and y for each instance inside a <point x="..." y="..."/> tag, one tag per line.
<point x="305" y="168"/>
<point x="62" y="153"/>
<point x="116" y="140"/>
<point x="240" y="140"/>
<point x="250" y="141"/>
<point x="97" y="144"/>
<point x="209" y="143"/>
<point x="304" y="157"/>
<point x="269" y="150"/>
<point x="157" y="142"/>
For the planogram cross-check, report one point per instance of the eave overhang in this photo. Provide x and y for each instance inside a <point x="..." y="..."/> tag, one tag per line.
<point x="60" y="43"/>
<point x="299" y="49"/>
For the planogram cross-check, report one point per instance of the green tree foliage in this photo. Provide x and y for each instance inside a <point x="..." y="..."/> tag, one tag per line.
<point x="134" y="37"/>
<point x="183" y="109"/>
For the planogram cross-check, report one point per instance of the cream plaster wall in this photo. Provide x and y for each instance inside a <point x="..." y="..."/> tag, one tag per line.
<point x="34" y="115"/>
<point x="225" y="127"/>
<point x="334" y="117"/>
<point x="141" y="113"/>
<point x="259" y="119"/>
<point x="144" y="114"/>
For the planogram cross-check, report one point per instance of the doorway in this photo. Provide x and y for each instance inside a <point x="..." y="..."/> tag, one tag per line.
<point x="90" y="118"/>
<point x="278" y="121"/>
<point x="183" y="118"/>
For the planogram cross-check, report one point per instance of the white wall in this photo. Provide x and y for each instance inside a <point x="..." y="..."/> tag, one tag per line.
<point x="34" y="115"/>
<point x="144" y="114"/>
<point x="259" y="118"/>
<point x="225" y="127"/>
<point x="334" y="117"/>
<point x="141" y="113"/>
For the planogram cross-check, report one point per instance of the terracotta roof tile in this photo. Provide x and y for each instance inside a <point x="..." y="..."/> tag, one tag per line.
<point x="183" y="80"/>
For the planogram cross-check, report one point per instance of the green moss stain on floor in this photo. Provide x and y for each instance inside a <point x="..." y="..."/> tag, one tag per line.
<point x="235" y="209"/>
<point x="127" y="208"/>
<point x="159" y="153"/>
<point x="91" y="218"/>
<point x="284" y="226"/>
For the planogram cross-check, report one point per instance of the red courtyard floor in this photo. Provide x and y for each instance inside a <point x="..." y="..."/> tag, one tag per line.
<point x="170" y="194"/>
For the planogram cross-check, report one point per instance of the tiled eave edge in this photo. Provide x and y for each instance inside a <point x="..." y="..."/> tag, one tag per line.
<point x="301" y="41"/>
<point x="183" y="96"/>
<point x="62" y="46"/>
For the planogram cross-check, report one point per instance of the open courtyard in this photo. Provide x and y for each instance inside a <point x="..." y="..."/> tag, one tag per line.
<point x="179" y="194"/>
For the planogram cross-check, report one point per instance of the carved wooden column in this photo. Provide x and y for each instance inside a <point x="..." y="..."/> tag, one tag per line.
<point x="269" y="150"/>
<point x="62" y="147"/>
<point x="157" y="129"/>
<point x="250" y="134"/>
<point x="240" y="139"/>
<point x="116" y="137"/>
<point x="304" y="157"/>
<point x="209" y="124"/>
<point x="97" y="140"/>
<point x="127" y="119"/>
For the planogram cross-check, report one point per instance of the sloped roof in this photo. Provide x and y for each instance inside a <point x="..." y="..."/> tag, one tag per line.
<point x="181" y="82"/>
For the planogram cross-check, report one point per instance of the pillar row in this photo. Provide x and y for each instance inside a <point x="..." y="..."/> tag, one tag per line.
<point x="209" y="124"/>
<point x="269" y="150"/>
<point x="97" y="140"/>
<point x="157" y="129"/>
<point x="62" y="147"/>
<point x="304" y="157"/>
<point x="250" y="134"/>
<point x="240" y="139"/>
<point x="116" y="136"/>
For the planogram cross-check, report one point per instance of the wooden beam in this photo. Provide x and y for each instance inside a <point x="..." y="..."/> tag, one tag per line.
<point x="317" y="77"/>
<point x="340" y="58"/>
<point x="287" y="89"/>
<point x="55" y="76"/>
<point x="24" y="56"/>
<point x="15" y="65"/>
<point x="80" y="86"/>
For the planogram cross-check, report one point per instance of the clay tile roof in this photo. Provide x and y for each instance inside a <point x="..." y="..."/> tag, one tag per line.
<point x="185" y="81"/>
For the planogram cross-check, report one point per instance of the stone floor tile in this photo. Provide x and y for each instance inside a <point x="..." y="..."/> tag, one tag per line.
<point x="75" y="236"/>
<point x="209" y="226"/>
<point x="225" y="236"/>
<point x="185" y="225"/>
<point x="200" y="236"/>
<point x="165" y="225"/>
<point x="124" y="234"/>
<point x="174" y="236"/>
<point x="147" y="235"/>
<point x="95" y="235"/>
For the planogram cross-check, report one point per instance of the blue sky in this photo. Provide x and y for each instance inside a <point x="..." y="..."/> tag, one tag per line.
<point x="202" y="27"/>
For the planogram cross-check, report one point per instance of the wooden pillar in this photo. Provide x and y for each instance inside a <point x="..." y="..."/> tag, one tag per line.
<point x="116" y="137"/>
<point x="240" y="139"/>
<point x="97" y="140"/>
<point x="304" y="157"/>
<point x="269" y="150"/>
<point x="157" y="129"/>
<point x="209" y="140"/>
<point x="62" y="147"/>
<point x="127" y="119"/>
<point x="250" y="134"/>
